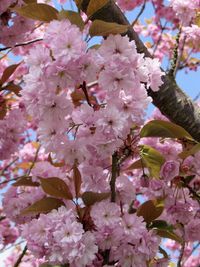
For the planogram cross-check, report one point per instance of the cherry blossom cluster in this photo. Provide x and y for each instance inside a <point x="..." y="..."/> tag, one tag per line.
<point x="60" y="238"/>
<point x="185" y="10"/>
<point x="61" y="65"/>
<point x="179" y="15"/>
<point x="8" y="233"/>
<point x="10" y="135"/>
<point x="81" y="109"/>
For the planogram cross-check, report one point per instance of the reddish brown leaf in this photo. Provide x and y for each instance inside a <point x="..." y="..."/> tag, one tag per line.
<point x="56" y="187"/>
<point x="43" y="205"/>
<point x="8" y="72"/>
<point x="89" y="197"/>
<point x="25" y="181"/>
<point x="13" y="88"/>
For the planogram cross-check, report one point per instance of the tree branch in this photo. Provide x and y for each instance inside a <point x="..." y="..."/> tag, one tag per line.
<point x="21" y="257"/>
<point x="114" y="174"/>
<point x="170" y="99"/>
<point x="180" y="258"/>
<point x="191" y="253"/>
<point x="140" y="13"/>
<point x="22" y="44"/>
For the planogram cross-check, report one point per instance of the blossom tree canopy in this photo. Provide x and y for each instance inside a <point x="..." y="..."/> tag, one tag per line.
<point x="87" y="179"/>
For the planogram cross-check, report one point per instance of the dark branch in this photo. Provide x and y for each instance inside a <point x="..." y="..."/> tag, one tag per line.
<point x="114" y="174"/>
<point x="140" y="13"/>
<point x="22" y="44"/>
<point x="21" y="257"/>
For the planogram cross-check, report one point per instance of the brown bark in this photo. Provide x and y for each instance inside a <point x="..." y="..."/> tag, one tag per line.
<point x="170" y="99"/>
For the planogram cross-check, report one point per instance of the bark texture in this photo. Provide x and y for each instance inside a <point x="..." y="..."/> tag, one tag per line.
<point x="170" y="99"/>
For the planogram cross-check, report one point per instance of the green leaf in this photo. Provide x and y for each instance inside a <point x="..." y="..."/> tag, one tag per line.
<point x="169" y="234"/>
<point x="41" y="12"/>
<point x="189" y="179"/>
<point x="89" y="197"/>
<point x="74" y="17"/>
<point x="8" y="72"/>
<point x="197" y="19"/>
<point x="56" y="187"/>
<point x="150" y="210"/>
<point x="138" y="164"/>
<point x="102" y="28"/>
<point x="50" y="265"/>
<point x="160" y="224"/>
<point x="159" y="128"/>
<point x="152" y="159"/>
<point x="25" y="181"/>
<point x="43" y="205"/>
<point x="186" y="153"/>
<point x="77" y="180"/>
<point x="95" y="5"/>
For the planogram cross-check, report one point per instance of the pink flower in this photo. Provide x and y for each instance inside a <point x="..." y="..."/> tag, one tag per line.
<point x="192" y="230"/>
<point x="169" y="170"/>
<point x="105" y="213"/>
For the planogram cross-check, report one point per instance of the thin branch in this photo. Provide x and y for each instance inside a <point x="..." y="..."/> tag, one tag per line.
<point x="11" y="246"/>
<point x="11" y="180"/>
<point x="174" y="61"/>
<point x="180" y="56"/>
<point x="22" y="44"/>
<point x="34" y="161"/>
<point x="191" y="190"/>
<point x="114" y="174"/>
<point x="160" y="37"/>
<point x="92" y="84"/>
<point x="196" y="97"/>
<point x="10" y="164"/>
<point x="180" y="258"/>
<point x="84" y="88"/>
<point x="140" y="13"/>
<point x="28" y="172"/>
<point x="21" y="257"/>
<point x="191" y="253"/>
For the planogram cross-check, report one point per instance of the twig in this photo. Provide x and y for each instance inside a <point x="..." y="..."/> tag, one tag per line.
<point x="196" y="97"/>
<point x="180" y="55"/>
<point x="174" y="60"/>
<point x="22" y="44"/>
<point x="11" y="180"/>
<point x="115" y="173"/>
<point x="140" y="13"/>
<point x="20" y="257"/>
<point x="92" y="84"/>
<point x="11" y="246"/>
<point x="160" y="37"/>
<point x="180" y="258"/>
<point x="84" y="88"/>
<point x="191" y="190"/>
<point x="10" y="164"/>
<point x="191" y="253"/>
<point x="33" y="163"/>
